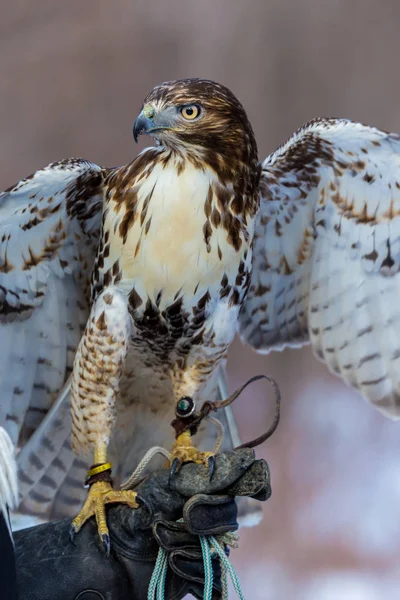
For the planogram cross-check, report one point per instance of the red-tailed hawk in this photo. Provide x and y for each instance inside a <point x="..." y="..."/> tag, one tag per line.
<point x="138" y="277"/>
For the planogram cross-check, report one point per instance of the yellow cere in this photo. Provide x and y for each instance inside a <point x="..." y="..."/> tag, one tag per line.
<point x="148" y="111"/>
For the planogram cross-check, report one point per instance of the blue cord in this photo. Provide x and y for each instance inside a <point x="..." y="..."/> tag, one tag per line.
<point x="156" y="589"/>
<point x="226" y="563"/>
<point x="162" y="579"/>
<point x="158" y="577"/>
<point x="208" y="571"/>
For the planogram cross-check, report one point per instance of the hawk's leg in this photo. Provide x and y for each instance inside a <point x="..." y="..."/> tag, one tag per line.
<point x="98" y="367"/>
<point x="100" y="494"/>
<point x="184" y="451"/>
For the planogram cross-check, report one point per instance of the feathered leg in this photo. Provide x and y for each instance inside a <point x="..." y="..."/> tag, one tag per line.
<point x="98" y="367"/>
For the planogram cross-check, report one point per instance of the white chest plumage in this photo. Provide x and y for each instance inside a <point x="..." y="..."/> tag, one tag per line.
<point x="165" y="251"/>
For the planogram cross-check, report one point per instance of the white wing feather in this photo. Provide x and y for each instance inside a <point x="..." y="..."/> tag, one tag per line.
<point x="49" y="230"/>
<point x="327" y="255"/>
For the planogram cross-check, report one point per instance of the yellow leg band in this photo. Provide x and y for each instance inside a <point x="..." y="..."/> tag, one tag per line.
<point x="99" y="469"/>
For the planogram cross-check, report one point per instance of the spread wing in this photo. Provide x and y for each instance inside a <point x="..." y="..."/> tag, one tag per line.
<point x="327" y="255"/>
<point x="49" y="232"/>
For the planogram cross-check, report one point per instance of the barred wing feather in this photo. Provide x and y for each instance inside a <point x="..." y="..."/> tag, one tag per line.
<point x="49" y="230"/>
<point x="327" y="253"/>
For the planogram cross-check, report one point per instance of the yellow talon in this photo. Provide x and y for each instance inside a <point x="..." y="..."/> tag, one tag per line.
<point x="100" y="494"/>
<point x="183" y="451"/>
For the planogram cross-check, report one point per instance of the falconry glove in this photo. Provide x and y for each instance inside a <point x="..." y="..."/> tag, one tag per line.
<point x="172" y="514"/>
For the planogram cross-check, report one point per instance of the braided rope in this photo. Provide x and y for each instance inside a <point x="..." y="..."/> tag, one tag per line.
<point x="208" y="571"/>
<point x="162" y="578"/>
<point x="226" y="539"/>
<point x="209" y="545"/>
<point x="155" y="577"/>
<point x="220" y="435"/>
<point x="225" y="561"/>
<point x="224" y="580"/>
<point x="137" y="475"/>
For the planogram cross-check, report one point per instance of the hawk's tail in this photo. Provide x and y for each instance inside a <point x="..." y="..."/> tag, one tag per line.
<point x="50" y="475"/>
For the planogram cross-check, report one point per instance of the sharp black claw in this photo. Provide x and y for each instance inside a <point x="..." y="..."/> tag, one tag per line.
<point x="176" y="465"/>
<point x="72" y="534"/>
<point x="211" y="466"/>
<point x="106" y="543"/>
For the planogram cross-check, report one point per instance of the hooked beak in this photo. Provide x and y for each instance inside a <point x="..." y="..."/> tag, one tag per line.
<point x="149" y="121"/>
<point x="142" y="125"/>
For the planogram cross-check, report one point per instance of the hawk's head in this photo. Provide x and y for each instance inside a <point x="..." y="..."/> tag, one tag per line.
<point x="198" y="113"/>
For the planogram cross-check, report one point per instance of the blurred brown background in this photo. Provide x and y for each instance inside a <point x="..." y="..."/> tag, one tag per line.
<point x="73" y="75"/>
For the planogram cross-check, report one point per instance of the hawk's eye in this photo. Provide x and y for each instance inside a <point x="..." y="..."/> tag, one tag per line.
<point x="190" y="112"/>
